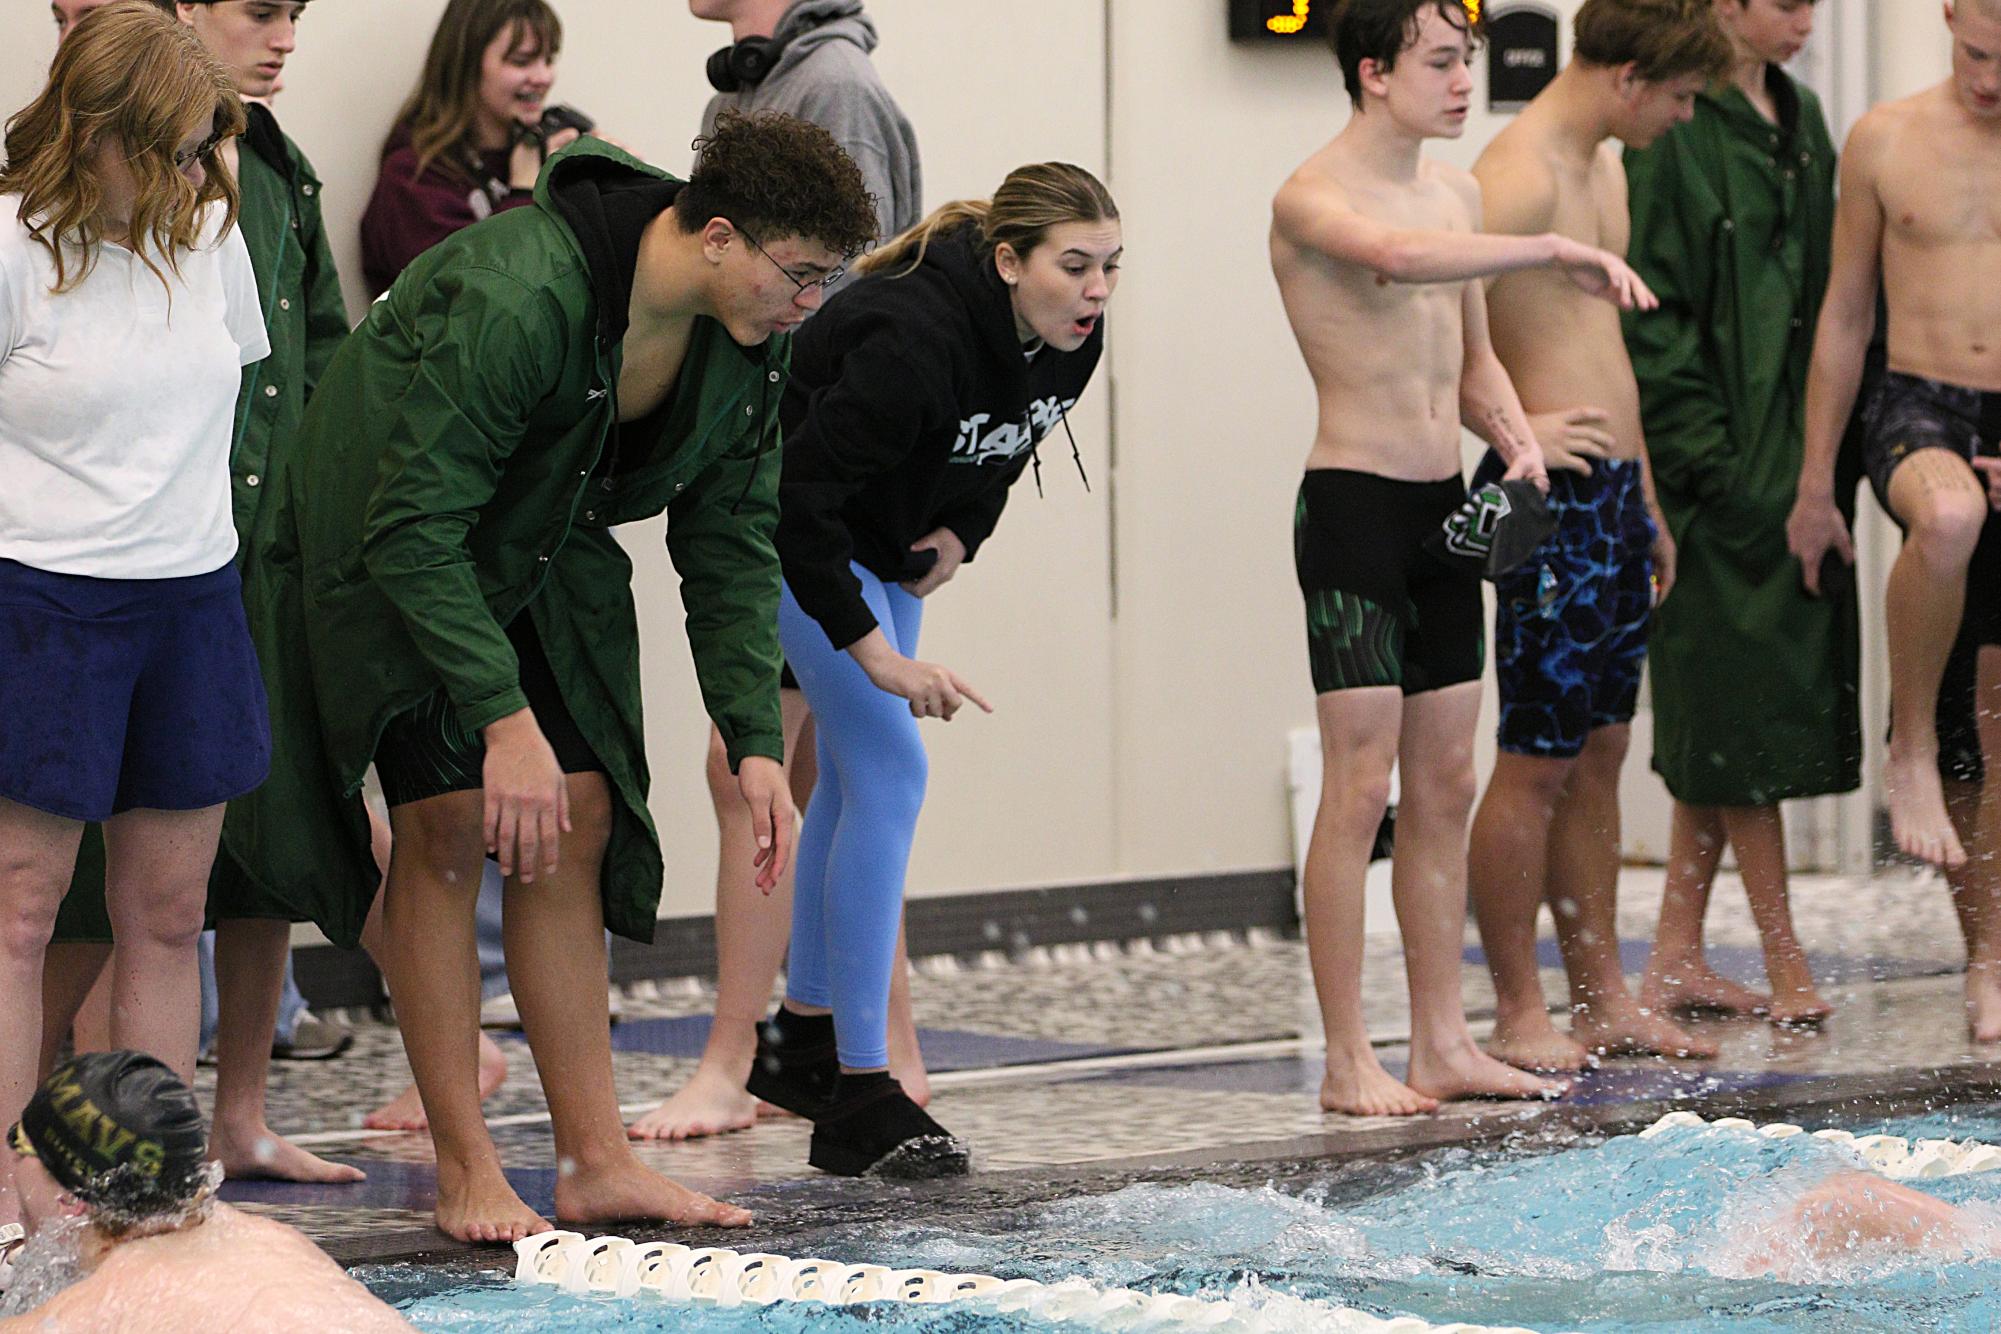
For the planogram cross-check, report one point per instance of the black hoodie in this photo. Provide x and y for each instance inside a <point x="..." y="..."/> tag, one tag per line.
<point x="912" y="406"/>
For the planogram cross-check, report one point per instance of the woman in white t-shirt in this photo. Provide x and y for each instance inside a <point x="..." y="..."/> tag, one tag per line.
<point x="128" y="687"/>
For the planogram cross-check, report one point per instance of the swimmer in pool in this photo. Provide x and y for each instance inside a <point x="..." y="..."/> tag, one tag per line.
<point x="111" y="1162"/>
<point x="1853" y="1210"/>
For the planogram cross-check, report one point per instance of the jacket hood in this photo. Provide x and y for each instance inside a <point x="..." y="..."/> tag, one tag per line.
<point x="264" y="138"/>
<point x="605" y="196"/>
<point x="958" y="258"/>
<point x="1788" y="99"/>
<point x="812" y="24"/>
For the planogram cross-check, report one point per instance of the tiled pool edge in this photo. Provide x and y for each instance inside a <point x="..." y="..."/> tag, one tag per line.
<point x="803" y="1210"/>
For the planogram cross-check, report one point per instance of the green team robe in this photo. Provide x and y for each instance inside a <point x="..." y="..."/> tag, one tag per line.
<point x="443" y="482"/>
<point x="1755" y="694"/>
<point x="306" y="319"/>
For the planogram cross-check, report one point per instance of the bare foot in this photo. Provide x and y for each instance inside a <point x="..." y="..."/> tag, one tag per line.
<point x="1676" y="988"/>
<point x="1799" y="1008"/>
<point x="916" y="1083"/>
<point x="767" y="1111"/>
<point x="627" y="1189"/>
<point x="479" y="1206"/>
<point x="1917" y="810"/>
<point x="260" y="1155"/>
<point x="405" y="1111"/>
<point x="1983" y="1001"/>
<point x="1360" y="1086"/>
<point x="906" y="1065"/>
<point x="710" y="1103"/>
<point x="1464" y="1071"/>
<point x="1534" y="1044"/>
<point x="1633" y="1030"/>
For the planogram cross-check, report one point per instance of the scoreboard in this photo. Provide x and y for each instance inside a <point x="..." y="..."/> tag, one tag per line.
<point x="1279" y="20"/>
<point x="1520" y="46"/>
<point x="1289" y="20"/>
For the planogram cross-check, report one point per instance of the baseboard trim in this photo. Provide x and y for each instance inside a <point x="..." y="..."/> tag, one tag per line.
<point x="1004" y="921"/>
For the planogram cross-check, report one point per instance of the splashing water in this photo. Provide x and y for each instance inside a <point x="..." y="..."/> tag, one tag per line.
<point x="50" y="1262"/>
<point x="52" y="1259"/>
<point x="1675" y="1234"/>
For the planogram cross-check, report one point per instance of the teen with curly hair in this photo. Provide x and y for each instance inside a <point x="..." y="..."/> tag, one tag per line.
<point x="811" y="59"/>
<point x="459" y="614"/>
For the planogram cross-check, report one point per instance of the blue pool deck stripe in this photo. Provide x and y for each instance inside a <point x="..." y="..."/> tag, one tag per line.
<point x="390" y="1185"/>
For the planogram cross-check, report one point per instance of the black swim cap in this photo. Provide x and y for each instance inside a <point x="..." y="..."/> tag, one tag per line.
<point x="118" y="1130"/>
<point x="1500" y="526"/>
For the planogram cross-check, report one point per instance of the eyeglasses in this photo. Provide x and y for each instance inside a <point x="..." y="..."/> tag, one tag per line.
<point x="185" y="158"/>
<point x="838" y="272"/>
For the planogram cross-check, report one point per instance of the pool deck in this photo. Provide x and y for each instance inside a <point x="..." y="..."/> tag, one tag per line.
<point x="1081" y="1070"/>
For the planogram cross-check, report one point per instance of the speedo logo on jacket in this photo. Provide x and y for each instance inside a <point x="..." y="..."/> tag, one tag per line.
<point x="1009" y="439"/>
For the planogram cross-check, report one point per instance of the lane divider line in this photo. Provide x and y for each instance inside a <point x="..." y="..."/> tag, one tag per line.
<point x="1891" y="1156"/>
<point x="714" y="1276"/>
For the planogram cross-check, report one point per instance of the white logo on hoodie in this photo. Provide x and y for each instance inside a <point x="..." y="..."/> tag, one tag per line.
<point x="1008" y="440"/>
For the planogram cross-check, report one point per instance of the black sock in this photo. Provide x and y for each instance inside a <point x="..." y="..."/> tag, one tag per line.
<point x="796" y="1061"/>
<point x="794" y="1030"/>
<point x="855" y="1086"/>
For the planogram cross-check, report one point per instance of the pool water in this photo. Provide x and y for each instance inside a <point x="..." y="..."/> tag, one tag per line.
<point x="1626" y="1234"/>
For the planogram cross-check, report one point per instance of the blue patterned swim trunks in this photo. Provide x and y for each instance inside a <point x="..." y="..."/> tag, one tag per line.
<point x="1570" y="624"/>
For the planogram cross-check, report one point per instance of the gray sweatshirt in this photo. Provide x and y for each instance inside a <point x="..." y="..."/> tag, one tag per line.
<point x="824" y="75"/>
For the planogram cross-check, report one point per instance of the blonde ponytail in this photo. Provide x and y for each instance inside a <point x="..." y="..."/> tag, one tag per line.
<point x="1030" y="201"/>
<point x="912" y="244"/>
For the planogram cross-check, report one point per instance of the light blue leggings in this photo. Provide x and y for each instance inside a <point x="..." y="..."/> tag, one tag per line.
<point x="847" y="901"/>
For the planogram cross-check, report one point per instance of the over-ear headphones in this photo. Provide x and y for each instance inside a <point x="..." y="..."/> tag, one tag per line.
<point x="743" y="63"/>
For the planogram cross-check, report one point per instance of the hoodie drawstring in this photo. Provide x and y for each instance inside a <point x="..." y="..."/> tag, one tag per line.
<point x="1076" y="455"/>
<point x="1035" y="450"/>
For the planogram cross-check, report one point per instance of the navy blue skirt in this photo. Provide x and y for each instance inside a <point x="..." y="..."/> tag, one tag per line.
<point x="127" y="694"/>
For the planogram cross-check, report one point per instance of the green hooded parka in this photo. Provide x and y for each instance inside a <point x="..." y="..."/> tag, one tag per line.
<point x="1754" y="682"/>
<point x="447" y="478"/>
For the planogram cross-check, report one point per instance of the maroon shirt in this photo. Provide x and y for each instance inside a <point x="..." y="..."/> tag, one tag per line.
<point x="409" y="213"/>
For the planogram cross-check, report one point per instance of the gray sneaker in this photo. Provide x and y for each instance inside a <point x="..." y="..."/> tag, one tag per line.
<point x="313" y="1039"/>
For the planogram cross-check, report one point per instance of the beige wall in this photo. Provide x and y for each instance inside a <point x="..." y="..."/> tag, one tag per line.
<point x="1913" y="49"/>
<point x="1149" y="743"/>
